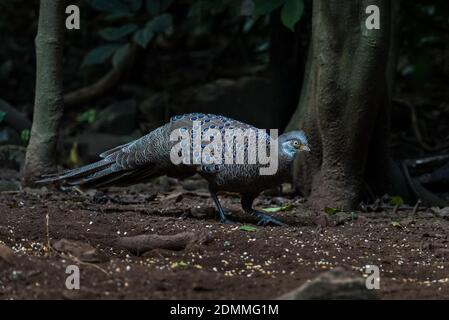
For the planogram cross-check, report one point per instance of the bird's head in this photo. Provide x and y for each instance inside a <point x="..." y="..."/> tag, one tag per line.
<point x="293" y="142"/>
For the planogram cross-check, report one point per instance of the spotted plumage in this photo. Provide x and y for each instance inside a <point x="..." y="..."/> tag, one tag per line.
<point x="149" y="157"/>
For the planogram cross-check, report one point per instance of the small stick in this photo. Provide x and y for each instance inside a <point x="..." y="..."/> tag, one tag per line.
<point x="396" y="208"/>
<point x="416" y="207"/>
<point x="47" y="218"/>
<point x="78" y="261"/>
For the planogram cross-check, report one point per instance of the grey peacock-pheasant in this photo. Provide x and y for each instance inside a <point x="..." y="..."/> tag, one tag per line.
<point x="149" y="157"/>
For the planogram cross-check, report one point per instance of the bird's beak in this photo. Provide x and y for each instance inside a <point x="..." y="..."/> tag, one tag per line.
<point x="304" y="148"/>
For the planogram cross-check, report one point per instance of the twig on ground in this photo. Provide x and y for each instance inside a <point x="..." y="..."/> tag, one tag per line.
<point x="47" y="229"/>
<point x="416" y="207"/>
<point x="396" y="208"/>
<point x="78" y="261"/>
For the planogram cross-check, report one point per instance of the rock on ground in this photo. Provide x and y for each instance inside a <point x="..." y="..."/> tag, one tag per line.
<point x="336" y="284"/>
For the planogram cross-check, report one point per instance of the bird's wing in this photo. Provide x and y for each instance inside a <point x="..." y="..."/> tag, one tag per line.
<point x="204" y="122"/>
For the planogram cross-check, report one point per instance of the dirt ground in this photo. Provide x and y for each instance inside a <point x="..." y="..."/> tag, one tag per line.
<point x="237" y="263"/>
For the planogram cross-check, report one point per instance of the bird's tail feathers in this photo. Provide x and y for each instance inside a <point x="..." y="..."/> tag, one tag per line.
<point x="76" y="176"/>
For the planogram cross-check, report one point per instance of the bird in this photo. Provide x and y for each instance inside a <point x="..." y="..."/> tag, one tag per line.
<point x="150" y="156"/>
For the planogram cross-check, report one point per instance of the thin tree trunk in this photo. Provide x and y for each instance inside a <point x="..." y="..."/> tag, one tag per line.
<point x="48" y="105"/>
<point x="344" y="104"/>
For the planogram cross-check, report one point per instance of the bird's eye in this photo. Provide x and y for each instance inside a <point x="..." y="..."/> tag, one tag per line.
<point x="296" y="144"/>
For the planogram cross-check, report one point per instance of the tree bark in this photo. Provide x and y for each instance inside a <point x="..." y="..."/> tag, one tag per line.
<point x="344" y="105"/>
<point x="48" y="105"/>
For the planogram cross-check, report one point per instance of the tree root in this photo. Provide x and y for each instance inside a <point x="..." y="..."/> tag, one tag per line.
<point x="140" y="244"/>
<point x="14" y="118"/>
<point x="427" y="197"/>
<point x="101" y="86"/>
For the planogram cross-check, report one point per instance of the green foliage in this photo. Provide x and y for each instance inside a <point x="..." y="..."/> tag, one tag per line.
<point x="204" y="15"/>
<point x="331" y="211"/>
<point x="120" y="54"/>
<point x="74" y="158"/>
<point x="132" y="30"/>
<point x="155" y="7"/>
<point x="157" y="25"/>
<point x="248" y="228"/>
<point x="114" y="34"/>
<point x="87" y="117"/>
<point x="422" y="29"/>
<point x="422" y="68"/>
<point x="99" y="55"/>
<point x="25" y="136"/>
<point x="143" y="36"/>
<point x="111" y="6"/>
<point x="161" y="23"/>
<point x="396" y="224"/>
<point x="396" y="201"/>
<point x="2" y="116"/>
<point x="291" y="12"/>
<point x="263" y="7"/>
<point x="134" y="5"/>
<point x="287" y="207"/>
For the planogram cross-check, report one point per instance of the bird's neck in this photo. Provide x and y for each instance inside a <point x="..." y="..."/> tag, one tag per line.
<point x="285" y="165"/>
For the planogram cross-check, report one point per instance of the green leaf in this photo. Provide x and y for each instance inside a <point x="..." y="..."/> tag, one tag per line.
<point x="2" y="116"/>
<point x="288" y="207"/>
<point x="248" y="228"/>
<point x="114" y="34"/>
<point x="134" y="5"/>
<point x="143" y="37"/>
<point x="118" y="15"/>
<point x="396" y="201"/>
<point x="331" y="211"/>
<point x="396" y="224"/>
<point x="180" y="264"/>
<point x="263" y="7"/>
<point x="156" y="7"/>
<point x="25" y="135"/>
<point x="292" y="12"/>
<point x="160" y="23"/>
<point x="111" y="6"/>
<point x="120" y="54"/>
<point x="99" y="55"/>
<point x="74" y="158"/>
<point x="87" y="117"/>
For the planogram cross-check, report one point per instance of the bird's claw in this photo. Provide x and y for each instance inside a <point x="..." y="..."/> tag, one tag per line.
<point x="266" y="219"/>
<point x="227" y="221"/>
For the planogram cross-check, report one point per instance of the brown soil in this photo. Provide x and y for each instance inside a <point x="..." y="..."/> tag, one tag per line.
<point x="411" y="250"/>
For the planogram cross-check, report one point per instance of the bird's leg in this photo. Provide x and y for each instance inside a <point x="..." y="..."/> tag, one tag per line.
<point x="264" y="219"/>
<point x="221" y="212"/>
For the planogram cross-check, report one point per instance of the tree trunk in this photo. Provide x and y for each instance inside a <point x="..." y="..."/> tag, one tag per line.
<point x="344" y="105"/>
<point x="48" y="105"/>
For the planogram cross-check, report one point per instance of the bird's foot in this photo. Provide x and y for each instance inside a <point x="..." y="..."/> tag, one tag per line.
<point x="265" y="219"/>
<point x="224" y="219"/>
